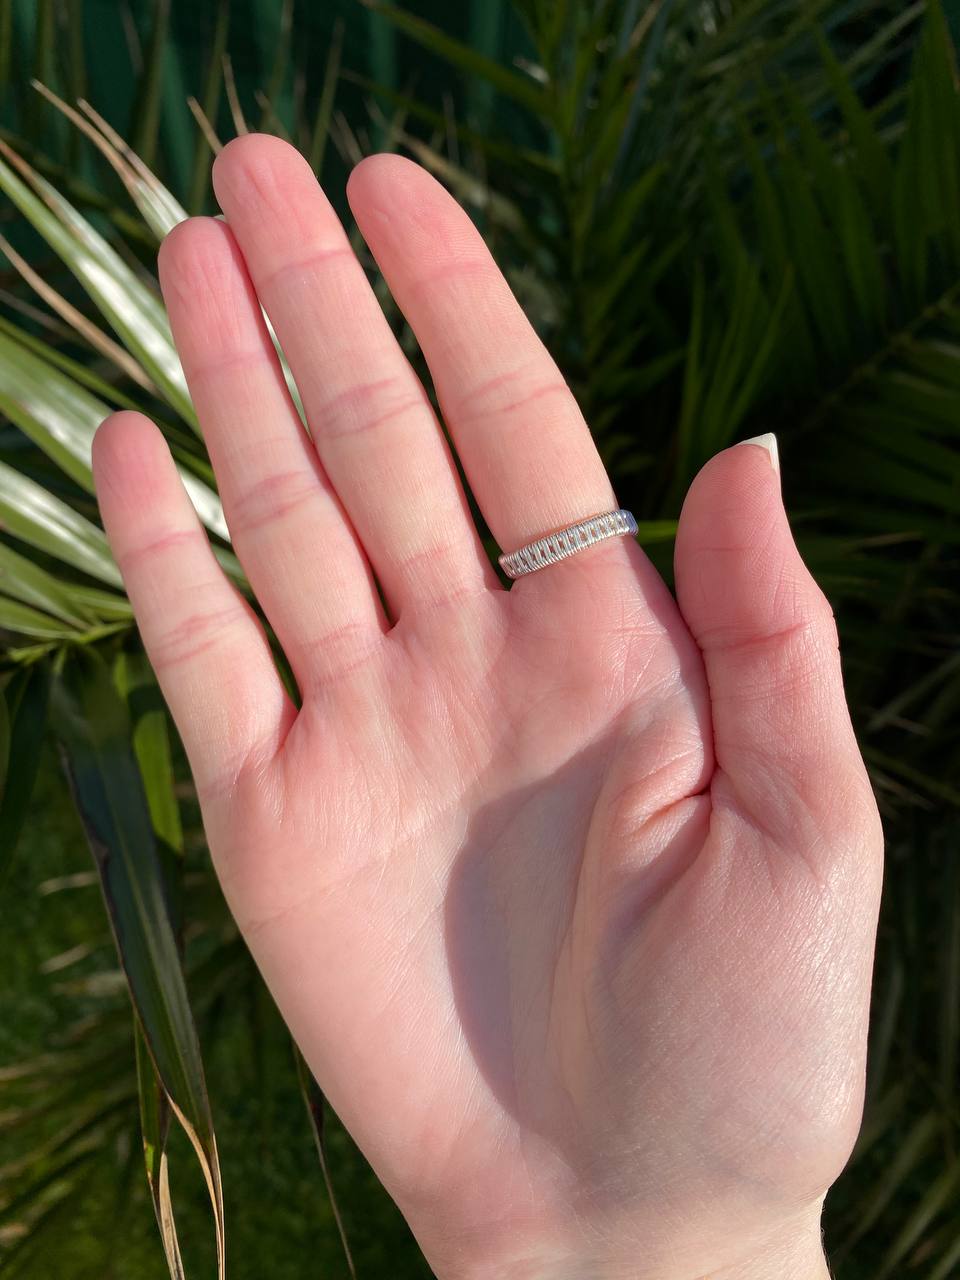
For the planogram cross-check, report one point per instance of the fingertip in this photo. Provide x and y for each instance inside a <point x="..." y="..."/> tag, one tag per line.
<point x="739" y="575"/>
<point x="736" y="494"/>
<point x="208" y="294"/>
<point x="187" y="237"/>
<point x="401" y="207"/>
<point x="258" y="163"/>
<point x="127" y="450"/>
<point x="245" y="149"/>
<point x="384" y="168"/>
<point x="117" y="430"/>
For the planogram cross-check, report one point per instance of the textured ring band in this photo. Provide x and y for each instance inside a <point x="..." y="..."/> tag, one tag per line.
<point x="567" y="542"/>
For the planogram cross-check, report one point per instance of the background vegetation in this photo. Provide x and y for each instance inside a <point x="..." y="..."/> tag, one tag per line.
<point x="725" y="217"/>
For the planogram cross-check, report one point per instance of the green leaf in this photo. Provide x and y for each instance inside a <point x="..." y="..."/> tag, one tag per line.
<point x="893" y="1177"/>
<point x="27" y="582"/>
<point x="31" y="513"/>
<point x="200" y="176"/>
<point x="321" y="127"/>
<point x="949" y="1028"/>
<point x="4" y="744"/>
<point x="151" y="84"/>
<point x="948" y="1263"/>
<point x="138" y="686"/>
<point x="281" y="55"/>
<point x="54" y="411"/>
<point x="519" y="88"/>
<point x="94" y="731"/>
<point x="872" y="158"/>
<point x="79" y="373"/>
<point x="27" y="621"/>
<point x="135" y="311"/>
<point x="104" y="605"/>
<point x="25" y="705"/>
<point x="62" y="418"/>
<point x="6" y="39"/>
<point x="939" y="1194"/>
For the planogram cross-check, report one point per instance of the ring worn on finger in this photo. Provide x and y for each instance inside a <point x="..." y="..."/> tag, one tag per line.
<point x="567" y="542"/>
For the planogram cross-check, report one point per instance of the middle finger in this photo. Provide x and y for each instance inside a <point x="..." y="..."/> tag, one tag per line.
<point x="377" y="436"/>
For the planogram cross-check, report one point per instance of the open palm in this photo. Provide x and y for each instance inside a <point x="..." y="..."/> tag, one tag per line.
<point x="567" y="893"/>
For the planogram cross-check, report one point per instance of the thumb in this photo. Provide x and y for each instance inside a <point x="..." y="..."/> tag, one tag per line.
<point x="785" y="750"/>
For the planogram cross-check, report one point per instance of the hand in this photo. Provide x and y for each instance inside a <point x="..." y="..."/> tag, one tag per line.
<point x="567" y="893"/>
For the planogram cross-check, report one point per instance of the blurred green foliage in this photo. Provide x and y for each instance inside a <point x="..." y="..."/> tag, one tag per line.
<point x="724" y="217"/>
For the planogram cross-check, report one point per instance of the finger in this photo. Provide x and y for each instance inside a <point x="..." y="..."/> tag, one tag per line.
<point x="371" y="421"/>
<point x="300" y="553"/>
<point x="525" y="448"/>
<point x="785" y="749"/>
<point x="210" y="654"/>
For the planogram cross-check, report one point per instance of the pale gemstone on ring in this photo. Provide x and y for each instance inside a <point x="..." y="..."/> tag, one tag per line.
<point x="567" y="542"/>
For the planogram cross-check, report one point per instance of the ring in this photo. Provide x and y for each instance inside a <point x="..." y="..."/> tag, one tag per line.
<point x="567" y="542"/>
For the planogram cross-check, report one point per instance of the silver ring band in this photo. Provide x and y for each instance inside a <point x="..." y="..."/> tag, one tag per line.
<point x="567" y="542"/>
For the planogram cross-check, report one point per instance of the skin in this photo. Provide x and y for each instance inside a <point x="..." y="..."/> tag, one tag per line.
<point x="568" y="892"/>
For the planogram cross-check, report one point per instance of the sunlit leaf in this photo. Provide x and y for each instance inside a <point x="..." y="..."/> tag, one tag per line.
<point x="29" y="512"/>
<point x="135" y="311"/>
<point x="62" y="417"/>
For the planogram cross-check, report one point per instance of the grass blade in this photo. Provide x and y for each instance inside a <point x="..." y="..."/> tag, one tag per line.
<point x="200" y="176"/>
<point x="316" y="1106"/>
<point x="321" y="128"/>
<point x="912" y="1150"/>
<point x="939" y="1194"/>
<point x="147" y="130"/>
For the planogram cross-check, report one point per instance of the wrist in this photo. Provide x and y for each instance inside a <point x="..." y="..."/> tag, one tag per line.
<point x="793" y="1250"/>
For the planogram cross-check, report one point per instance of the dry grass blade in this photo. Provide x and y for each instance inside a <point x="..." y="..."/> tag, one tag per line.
<point x="155" y="1126"/>
<point x="166" y="204"/>
<point x="206" y="128"/>
<point x="157" y="205"/>
<point x="233" y="98"/>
